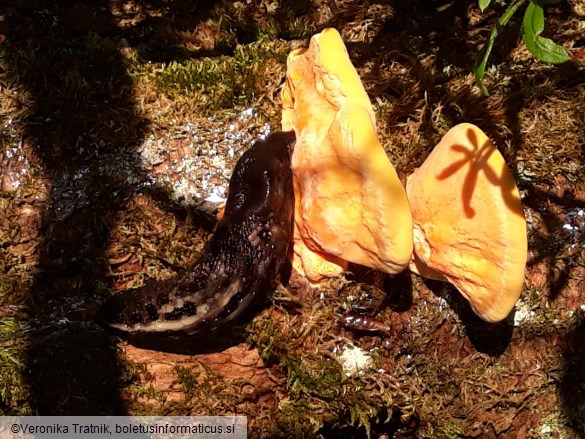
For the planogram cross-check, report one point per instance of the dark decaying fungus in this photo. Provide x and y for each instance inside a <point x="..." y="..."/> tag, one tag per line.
<point x="241" y="261"/>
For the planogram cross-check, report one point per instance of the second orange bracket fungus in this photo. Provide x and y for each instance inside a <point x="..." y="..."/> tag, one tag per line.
<point x="350" y="204"/>
<point x="469" y="226"/>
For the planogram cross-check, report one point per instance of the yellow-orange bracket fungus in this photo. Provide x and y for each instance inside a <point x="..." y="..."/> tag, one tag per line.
<point x="350" y="204"/>
<point x="469" y="226"/>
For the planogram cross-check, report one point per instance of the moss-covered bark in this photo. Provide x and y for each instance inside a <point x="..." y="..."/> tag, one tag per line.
<point x="116" y="115"/>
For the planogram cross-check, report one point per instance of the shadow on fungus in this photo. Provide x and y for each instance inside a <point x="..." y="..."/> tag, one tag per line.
<point x="477" y="161"/>
<point x="83" y="127"/>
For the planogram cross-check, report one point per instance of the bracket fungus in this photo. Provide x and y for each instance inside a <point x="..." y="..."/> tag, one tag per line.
<point x="469" y="226"/>
<point x="463" y="209"/>
<point x="350" y="205"/>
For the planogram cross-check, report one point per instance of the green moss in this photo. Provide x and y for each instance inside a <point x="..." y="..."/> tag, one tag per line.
<point x="188" y="378"/>
<point x="320" y="396"/>
<point x="73" y="369"/>
<point x="14" y="390"/>
<point x="224" y="82"/>
<point x="287" y="20"/>
<point x="8" y="287"/>
<point x="203" y="393"/>
<point x="146" y="392"/>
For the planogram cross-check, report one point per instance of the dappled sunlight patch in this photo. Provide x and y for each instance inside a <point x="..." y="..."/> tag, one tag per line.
<point x="193" y="160"/>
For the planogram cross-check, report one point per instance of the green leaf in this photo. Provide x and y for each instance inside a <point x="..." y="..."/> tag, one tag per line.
<point x="483" y="4"/>
<point x="542" y="48"/>
<point x="487" y="48"/>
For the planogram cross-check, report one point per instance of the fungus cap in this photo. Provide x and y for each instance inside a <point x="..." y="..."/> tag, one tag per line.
<point x="469" y="226"/>
<point x="350" y="203"/>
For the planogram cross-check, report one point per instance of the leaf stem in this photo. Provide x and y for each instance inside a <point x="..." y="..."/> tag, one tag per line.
<point x="487" y="48"/>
